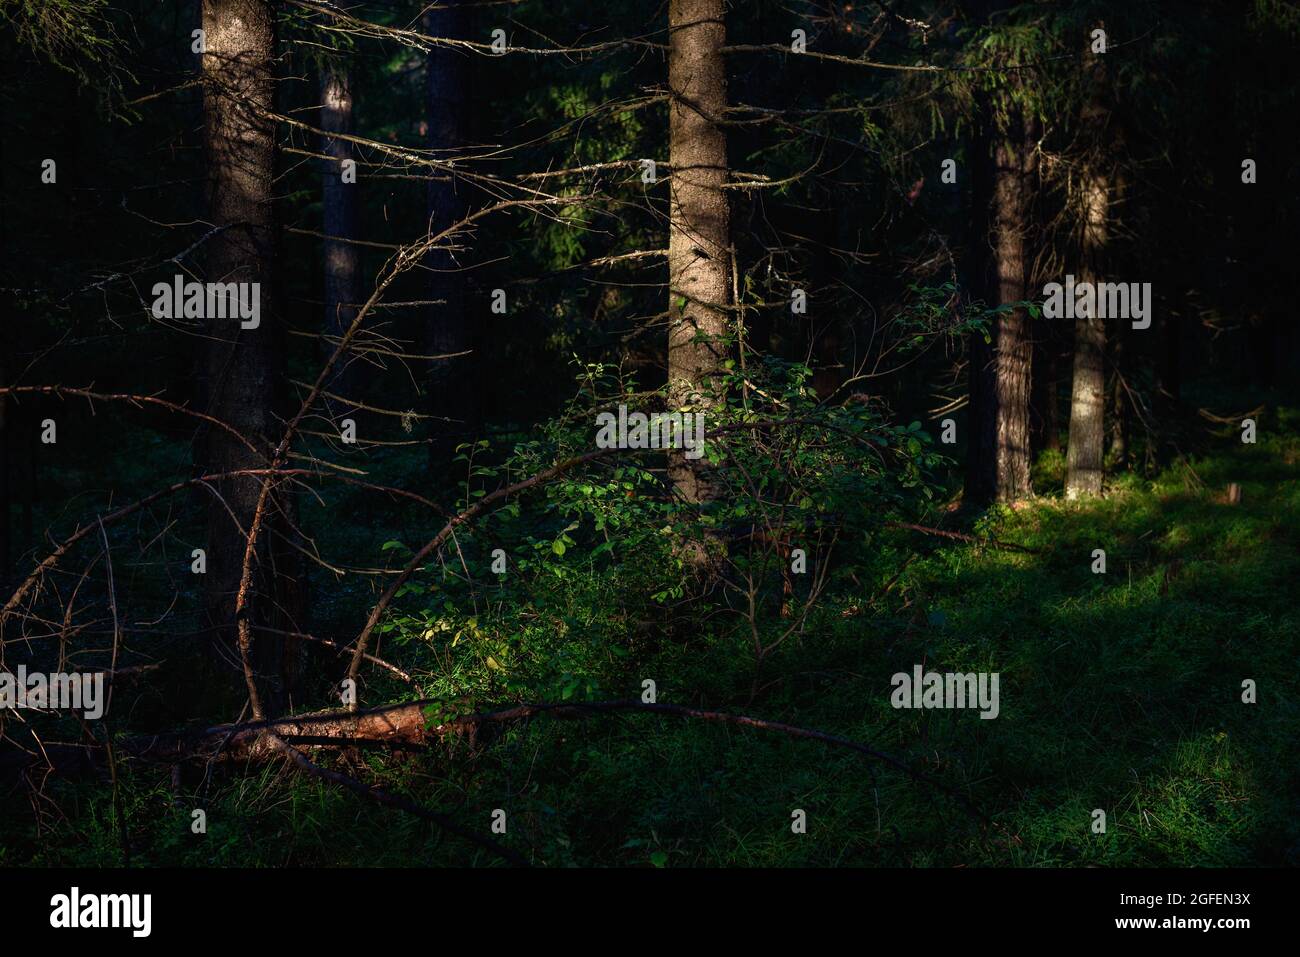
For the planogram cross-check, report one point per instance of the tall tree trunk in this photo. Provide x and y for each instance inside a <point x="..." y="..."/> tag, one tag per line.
<point x="1046" y="375"/>
<point x="1088" y="393"/>
<point x="1084" y="456"/>
<point x="242" y="366"/>
<point x="999" y="453"/>
<point x="1013" y="161"/>
<point x="341" y="212"/>
<point x="699" y="228"/>
<point x="452" y="384"/>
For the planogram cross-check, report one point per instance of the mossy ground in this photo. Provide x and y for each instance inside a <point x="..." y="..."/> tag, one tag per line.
<point x="1120" y="691"/>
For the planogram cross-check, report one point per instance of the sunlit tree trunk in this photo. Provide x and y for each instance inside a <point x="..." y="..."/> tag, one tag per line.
<point x="1012" y="192"/>
<point x="699" y="240"/>
<point x="242" y="365"/>
<point x="1000" y="374"/>
<point x="1084" y="456"/>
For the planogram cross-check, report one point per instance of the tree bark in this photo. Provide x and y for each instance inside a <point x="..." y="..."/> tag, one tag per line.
<point x="243" y="366"/>
<point x="1000" y="376"/>
<point x="699" y="229"/>
<point x="1084" y="455"/>
<point x="1015" y="351"/>
<point x="1087" y="399"/>
<point x="452" y="384"/>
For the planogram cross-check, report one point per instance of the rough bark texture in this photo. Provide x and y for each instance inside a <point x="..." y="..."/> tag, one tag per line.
<point x="242" y="366"/>
<point x="1049" y="348"/>
<point x="1084" y="456"/>
<point x="453" y="395"/>
<point x="341" y="210"/>
<point x="699" y="240"/>
<point x="998" y="455"/>
<point x="389" y="726"/>
<point x="1088" y="393"/>
<point x="1011" y="200"/>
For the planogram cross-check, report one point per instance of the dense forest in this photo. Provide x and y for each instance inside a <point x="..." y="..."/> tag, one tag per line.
<point x="679" y="434"/>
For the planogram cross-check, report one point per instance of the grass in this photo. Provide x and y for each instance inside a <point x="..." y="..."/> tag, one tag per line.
<point x="1119" y="691"/>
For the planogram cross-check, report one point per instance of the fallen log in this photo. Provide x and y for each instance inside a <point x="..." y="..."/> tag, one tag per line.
<point x="406" y="725"/>
<point x="253" y="741"/>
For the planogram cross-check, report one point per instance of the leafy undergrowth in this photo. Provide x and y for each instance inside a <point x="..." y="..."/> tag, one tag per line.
<point x="1119" y="691"/>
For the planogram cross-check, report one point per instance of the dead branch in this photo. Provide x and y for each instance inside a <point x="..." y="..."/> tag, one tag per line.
<point x="407" y="725"/>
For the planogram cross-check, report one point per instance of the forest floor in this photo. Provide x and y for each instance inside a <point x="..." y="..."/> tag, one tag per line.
<point x="1120" y="691"/>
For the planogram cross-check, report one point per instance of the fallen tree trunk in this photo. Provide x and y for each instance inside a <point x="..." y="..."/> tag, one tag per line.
<point x="401" y="726"/>
<point x="406" y="726"/>
<point x="393" y="725"/>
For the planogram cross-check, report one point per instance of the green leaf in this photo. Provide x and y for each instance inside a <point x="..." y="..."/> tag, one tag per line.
<point x="557" y="546"/>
